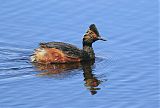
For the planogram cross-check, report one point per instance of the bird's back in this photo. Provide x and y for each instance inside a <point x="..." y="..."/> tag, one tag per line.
<point x="68" y="49"/>
<point x="57" y="52"/>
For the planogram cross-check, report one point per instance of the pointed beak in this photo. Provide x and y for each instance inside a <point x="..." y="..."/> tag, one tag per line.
<point x="100" y="38"/>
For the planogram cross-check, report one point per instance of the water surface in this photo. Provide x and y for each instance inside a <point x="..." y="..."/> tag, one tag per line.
<point x="124" y="74"/>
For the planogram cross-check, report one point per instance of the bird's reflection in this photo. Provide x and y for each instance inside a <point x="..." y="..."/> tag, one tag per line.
<point x="90" y="79"/>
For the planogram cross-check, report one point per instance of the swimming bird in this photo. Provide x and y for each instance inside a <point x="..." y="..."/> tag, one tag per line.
<point x="60" y="52"/>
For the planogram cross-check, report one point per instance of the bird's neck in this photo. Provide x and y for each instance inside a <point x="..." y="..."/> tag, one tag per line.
<point x="87" y="47"/>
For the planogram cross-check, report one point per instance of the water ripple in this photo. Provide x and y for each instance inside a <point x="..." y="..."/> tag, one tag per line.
<point x="126" y="69"/>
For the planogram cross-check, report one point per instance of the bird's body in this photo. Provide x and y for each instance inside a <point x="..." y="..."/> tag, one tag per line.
<point x="59" y="52"/>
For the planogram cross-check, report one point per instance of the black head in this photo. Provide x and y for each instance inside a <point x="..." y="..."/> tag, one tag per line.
<point x="92" y="35"/>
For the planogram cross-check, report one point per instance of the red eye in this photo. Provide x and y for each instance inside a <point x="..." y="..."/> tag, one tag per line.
<point x="94" y="36"/>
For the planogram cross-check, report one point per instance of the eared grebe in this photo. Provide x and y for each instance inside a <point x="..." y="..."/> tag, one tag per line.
<point x="59" y="52"/>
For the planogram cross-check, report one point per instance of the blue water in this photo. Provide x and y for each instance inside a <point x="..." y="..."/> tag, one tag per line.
<point x="126" y="67"/>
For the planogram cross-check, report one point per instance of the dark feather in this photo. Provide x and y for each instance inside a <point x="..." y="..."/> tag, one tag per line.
<point x="68" y="49"/>
<point x="94" y="29"/>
